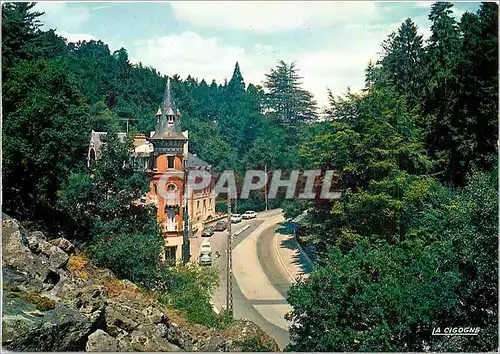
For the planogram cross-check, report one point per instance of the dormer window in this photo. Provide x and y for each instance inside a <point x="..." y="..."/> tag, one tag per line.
<point x="170" y="119"/>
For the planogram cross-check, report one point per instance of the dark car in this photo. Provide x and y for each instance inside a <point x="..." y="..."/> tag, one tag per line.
<point x="221" y="225"/>
<point x="207" y="231"/>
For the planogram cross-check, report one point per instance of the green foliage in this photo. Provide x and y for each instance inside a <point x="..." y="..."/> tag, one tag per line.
<point x="131" y="256"/>
<point x="292" y="208"/>
<point x="189" y="290"/>
<point x="252" y="345"/>
<point x="387" y="295"/>
<point x="94" y="202"/>
<point x="404" y="250"/>
<point x="286" y="98"/>
<point x="43" y="138"/>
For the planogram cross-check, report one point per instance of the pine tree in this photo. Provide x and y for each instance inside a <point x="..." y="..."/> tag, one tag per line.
<point x="286" y="98"/>
<point x="236" y="85"/>
<point x="403" y="61"/>
<point x="442" y="88"/>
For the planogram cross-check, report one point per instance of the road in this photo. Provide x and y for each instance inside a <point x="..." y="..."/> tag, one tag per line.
<point x="260" y="277"/>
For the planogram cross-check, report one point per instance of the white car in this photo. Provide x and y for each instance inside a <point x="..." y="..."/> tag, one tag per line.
<point x="249" y="214"/>
<point x="205" y="253"/>
<point x="235" y="218"/>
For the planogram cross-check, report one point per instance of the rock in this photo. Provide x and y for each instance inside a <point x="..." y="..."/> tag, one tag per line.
<point x="150" y="338"/>
<point x="38" y="235"/>
<point x="100" y="341"/>
<point x="214" y="343"/>
<point x="89" y="300"/>
<point x="52" y="256"/>
<point x="24" y="328"/>
<point x="153" y="315"/>
<point x="123" y="314"/>
<point x="124" y="342"/>
<point x="15" y="252"/>
<point x="179" y="337"/>
<point x="64" y="244"/>
<point x="53" y="302"/>
<point x="17" y="280"/>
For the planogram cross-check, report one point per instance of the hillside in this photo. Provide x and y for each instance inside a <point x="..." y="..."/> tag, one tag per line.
<point x="56" y="300"/>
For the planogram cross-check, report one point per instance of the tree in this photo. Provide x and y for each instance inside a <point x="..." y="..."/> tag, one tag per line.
<point x="476" y="125"/>
<point x="443" y="53"/>
<point x="20" y="31"/>
<point x="44" y="137"/>
<point x="387" y="295"/>
<point x="286" y="98"/>
<point x="106" y="199"/>
<point x="403" y="61"/>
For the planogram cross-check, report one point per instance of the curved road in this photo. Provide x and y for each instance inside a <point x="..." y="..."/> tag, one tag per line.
<point x="260" y="280"/>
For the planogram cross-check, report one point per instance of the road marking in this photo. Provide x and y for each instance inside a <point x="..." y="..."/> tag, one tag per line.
<point x="241" y="230"/>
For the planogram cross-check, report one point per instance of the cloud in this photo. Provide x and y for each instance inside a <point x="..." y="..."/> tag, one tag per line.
<point x="62" y="15"/>
<point x="424" y="4"/>
<point x="271" y="15"/>
<point x="189" y="53"/>
<point x="75" y="37"/>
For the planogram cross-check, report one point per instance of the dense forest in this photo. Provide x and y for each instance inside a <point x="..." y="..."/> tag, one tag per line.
<point x="411" y="245"/>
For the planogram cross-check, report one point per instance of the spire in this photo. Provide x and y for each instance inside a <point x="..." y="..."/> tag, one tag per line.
<point x="168" y="105"/>
<point x="168" y="125"/>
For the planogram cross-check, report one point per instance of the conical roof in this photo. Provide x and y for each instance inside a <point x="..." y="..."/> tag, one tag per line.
<point x="168" y="127"/>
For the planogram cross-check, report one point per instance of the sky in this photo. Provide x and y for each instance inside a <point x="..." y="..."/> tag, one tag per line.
<point x="331" y="42"/>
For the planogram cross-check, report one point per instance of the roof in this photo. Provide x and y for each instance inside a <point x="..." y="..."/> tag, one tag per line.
<point x="168" y="125"/>
<point x="194" y="161"/>
<point x="96" y="142"/>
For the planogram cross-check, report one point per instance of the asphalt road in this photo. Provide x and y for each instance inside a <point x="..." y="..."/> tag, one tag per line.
<point x="254" y="308"/>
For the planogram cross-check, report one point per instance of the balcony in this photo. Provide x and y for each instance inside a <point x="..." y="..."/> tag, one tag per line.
<point x="172" y="198"/>
<point x="171" y="225"/>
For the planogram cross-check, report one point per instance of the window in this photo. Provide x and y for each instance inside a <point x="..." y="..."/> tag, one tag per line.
<point x="171" y="187"/>
<point x="170" y="161"/>
<point x="170" y="253"/>
<point x="170" y="118"/>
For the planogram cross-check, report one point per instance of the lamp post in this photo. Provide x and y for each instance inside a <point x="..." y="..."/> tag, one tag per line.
<point x="186" y="249"/>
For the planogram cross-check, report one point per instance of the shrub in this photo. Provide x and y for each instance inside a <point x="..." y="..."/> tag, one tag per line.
<point x="188" y="289"/>
<point x="135" y="257"/>
<point x="252" y="345"/>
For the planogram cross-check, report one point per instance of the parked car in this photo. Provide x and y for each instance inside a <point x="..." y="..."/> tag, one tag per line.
<point x="249" y="214"/>
<point x="207" y="231"/>
<point x="205" y="253"/>
<point x="220" y="225"/>
<point x="235" y="218"/>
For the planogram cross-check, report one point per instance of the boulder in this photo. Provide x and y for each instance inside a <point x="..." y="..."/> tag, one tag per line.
<point x="27" y="328"/>
<point x="64" y="244"/>
<point x="88" y="299"/>
<point x="100" y="341"/>
<point x="51" y="256"/>
<point x="153" y="315"/>
<point x="127" y="314"/>
<point x="38" y="235"/>
<point x="125" y="343"/>
<point x="151" y="338"/>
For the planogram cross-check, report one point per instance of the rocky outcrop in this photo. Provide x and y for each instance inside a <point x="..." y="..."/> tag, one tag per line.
<point x="55" y="300"/>
<point x="100" y="341"/>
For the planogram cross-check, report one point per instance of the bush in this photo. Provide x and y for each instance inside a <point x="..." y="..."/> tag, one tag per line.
<point x="132" y="256"/>
<point x="252" y="345"/>
<point x="188" y="289"/>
